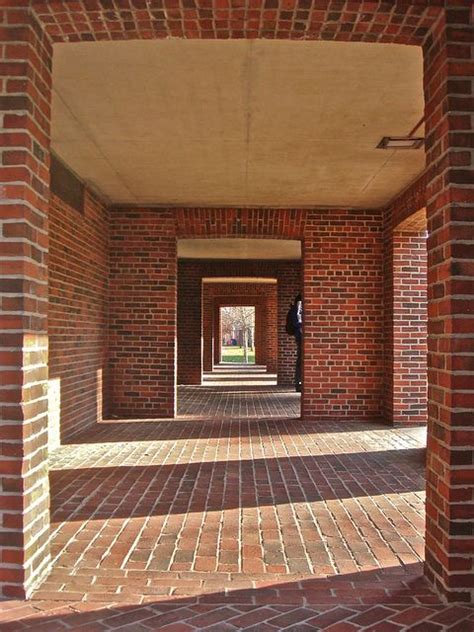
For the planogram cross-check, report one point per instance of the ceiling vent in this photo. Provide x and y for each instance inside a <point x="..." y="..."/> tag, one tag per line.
<point x="401" y="142"/>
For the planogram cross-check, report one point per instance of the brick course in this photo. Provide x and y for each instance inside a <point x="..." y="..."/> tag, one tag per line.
<point x="78" y="311"/>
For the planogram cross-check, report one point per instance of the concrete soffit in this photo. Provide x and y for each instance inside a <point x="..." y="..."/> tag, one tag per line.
<point x="173" y="123"/>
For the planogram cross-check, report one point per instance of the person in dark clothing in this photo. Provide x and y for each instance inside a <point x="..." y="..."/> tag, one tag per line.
<point x="298" y="329"/>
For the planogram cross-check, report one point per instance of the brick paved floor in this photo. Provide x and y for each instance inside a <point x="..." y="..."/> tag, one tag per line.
<point x="231" y="391"/>
<point x="254" y="524"/>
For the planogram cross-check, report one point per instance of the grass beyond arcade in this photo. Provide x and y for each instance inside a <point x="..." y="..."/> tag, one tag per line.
<point x="236" y="354"/>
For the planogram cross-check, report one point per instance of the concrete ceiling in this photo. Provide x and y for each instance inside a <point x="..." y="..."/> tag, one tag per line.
<point x="238" y="248"/>
<point x="241" y="122"/>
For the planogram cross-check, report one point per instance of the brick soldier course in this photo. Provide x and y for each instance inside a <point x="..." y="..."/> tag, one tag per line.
<point x="351" y="329"/>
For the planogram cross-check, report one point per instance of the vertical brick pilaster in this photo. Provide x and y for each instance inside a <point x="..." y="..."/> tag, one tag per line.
<point x="271" y="330"/>
<point x="217" y="334"/>
<point x="25" y="88"/>
<point x="343" y="328"/>
<point x="405" y="297"/>
<point x="189" y="323"/>
<point x="449" y="88"/>
<point x="289" y="284"/>
<point x="207" y="330"/>
<point x="409" y="327"/>
<point x="260" y="336"/>
<point x="143" y="273"/>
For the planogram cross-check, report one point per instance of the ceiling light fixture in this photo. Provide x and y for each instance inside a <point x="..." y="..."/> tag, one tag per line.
<point x="410" y="141"/>
<point x="401" y="142"/>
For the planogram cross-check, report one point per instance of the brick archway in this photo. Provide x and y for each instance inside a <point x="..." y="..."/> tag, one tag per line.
<point x="444" y="31"/>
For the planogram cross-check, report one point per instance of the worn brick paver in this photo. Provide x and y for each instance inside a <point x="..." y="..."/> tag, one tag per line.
<point x="228" y="524"/>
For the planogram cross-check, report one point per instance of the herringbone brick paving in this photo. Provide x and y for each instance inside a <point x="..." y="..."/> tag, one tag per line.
<point x="238" y="524"/>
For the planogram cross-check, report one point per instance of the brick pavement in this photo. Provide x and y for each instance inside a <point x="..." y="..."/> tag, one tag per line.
<point x="237" y="391"/>
<point x="229" y="524"/>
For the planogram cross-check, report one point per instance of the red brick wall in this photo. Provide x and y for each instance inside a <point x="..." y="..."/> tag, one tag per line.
<point x="449" y="62"/>
<point x="401" y="22"/>
<point x="210" y="328"/>
<point x="189" y="367"/>
<point x="77" y="316"/>
<point x="262" y="296"/>
<point x="343" y="324"/>
<point x="25" y="92"/>
<point x="290" y="282"/>
<point x="409" y="373"/>
<point x="190" y="273"/>
<point x="142" y="322"/>
<point x="405" y="306"/>
<point x="217" y="328"/>
<point x="247" y="222"/>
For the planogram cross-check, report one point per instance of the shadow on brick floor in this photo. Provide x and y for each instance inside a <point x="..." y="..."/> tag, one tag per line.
<point x="381" y="600"/>
<point x="135" y="490"/>
<point x="130" y="430"/>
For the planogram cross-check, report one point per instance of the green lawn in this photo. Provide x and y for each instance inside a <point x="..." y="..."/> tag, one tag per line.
<point x="236" y="354"/>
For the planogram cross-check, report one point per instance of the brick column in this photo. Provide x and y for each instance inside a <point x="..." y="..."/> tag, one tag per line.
<point x="260" y="336"/>
<point x="271" y="329"/>
<point x="142" y="351"/>
<point x="343" y="328"/>
<point x="449" y="66"/>
<point x="24" y="174"/>
<point x="289" y="284"/>
<point x="409" y="372"/>
<point x="189" y="324"/>
<point x="217" y="334"/>
<point x="207" y="334"/>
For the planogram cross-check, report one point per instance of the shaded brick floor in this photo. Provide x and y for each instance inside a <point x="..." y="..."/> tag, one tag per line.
<point x="238" y="524"/>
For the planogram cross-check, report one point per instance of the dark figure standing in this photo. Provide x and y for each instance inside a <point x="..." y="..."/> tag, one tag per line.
<point x="298" y="324"/>
<point x="294" y="327"/>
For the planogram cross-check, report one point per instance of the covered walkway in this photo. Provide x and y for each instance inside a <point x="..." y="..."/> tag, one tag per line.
<point x="163" y="161"/>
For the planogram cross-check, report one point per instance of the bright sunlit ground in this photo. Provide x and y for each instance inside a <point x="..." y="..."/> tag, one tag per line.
<point x="236" y="354"/>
